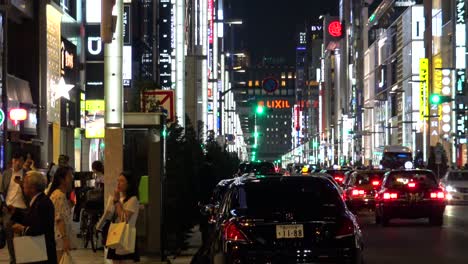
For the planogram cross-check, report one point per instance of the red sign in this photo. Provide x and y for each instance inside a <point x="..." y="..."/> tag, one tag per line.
<point x="159" y="98"/>
<point x="211" y="19"/>
<point x="18" y="114"/>
<point x="275" y="104"/>
<point x="335" y="29"/>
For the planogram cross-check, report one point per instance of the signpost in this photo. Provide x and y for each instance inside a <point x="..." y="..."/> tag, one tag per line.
<point x="159" y="98"/>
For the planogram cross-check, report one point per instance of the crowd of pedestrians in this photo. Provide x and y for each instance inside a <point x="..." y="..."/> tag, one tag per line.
<point x="36" y="204"/>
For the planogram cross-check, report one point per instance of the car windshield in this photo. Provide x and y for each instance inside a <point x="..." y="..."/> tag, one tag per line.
<point x="307" y="198"/>
<point x="395" y="159"/>
<point x="367" y="178"/>
<point x="264" y="168"/>
<point x="401" y="179"/>
<point x="458" y="176"/>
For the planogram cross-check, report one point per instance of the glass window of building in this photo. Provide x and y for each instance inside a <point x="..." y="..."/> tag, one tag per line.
<point x="283" y="75"/>
<point x="257" y="83"/>
<point x="283" y="83"/>
<point x="290" y="75"/>
<point x="250" y="83"/>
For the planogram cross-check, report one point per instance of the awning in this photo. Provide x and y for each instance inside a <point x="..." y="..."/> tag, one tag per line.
<point x="18" y="90"/>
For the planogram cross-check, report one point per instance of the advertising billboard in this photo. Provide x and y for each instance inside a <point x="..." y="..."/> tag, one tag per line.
<point x="95" y="123"/>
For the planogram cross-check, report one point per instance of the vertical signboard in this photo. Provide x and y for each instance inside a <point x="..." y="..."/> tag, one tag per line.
<point x="434" y="109"/>
<point x="95" y="125"/>
<point x="54" y="20"/>
<point x="165" y="43"/>
<point x="423" y="87"/>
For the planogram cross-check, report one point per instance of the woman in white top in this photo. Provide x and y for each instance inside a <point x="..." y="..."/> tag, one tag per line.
<point x="126" y="209"/>
<point x="61" y="185"/>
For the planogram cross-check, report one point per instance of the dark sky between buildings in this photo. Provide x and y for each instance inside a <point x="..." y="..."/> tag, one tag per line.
<point x="270" y="26"/>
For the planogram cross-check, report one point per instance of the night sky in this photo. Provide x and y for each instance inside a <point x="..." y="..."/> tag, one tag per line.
<point x="271" y="25"/>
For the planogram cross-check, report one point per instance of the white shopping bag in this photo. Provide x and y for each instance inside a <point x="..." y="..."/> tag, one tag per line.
<point x="66" y="259"/>
<point x="116" y="235"/>
<point x="30" y="249"/>
<point x="128" y="241"/>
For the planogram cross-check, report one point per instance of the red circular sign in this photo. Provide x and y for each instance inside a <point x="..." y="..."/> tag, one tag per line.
<point x="335" y="29"/>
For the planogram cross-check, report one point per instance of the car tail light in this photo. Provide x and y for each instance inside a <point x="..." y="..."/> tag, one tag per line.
<point x="437" y="195"/>
<point x="375" y="183"/>
<point x="411" y="185"/>
<point x="357" y="192"/>
<point x="390" y="196"/>
<point x="233" y="233"/>
<point x="346" y="229"/>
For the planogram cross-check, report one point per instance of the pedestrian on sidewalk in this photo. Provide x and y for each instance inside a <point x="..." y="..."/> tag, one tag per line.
<point x="39" y="220"/>
<point x="62" y="185"/>
<point x="16" y="203"/>
<point x="126" y="209"/>
<point x="98" y="173"/>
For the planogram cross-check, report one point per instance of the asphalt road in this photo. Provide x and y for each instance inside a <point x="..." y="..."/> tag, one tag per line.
<point x="415" y="241"/>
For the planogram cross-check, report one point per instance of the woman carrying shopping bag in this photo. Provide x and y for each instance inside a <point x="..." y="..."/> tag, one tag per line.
<point x="126" y="210"/>
<point x="61" y="185"/>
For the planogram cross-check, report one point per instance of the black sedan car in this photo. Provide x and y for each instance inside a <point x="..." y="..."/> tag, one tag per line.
<point x="338" y="174"/>
<point x="285" y="220"/>
<point x="410" y="194"/>
<point x="361" y="188"/>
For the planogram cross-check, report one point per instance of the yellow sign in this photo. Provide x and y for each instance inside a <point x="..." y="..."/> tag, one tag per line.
<point x="423" y="87"/>
<point x="95" y="125"/>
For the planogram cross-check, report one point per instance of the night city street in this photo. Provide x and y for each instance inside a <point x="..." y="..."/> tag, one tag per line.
<point x="414" y="241"/>
<point x="234" y="131"/>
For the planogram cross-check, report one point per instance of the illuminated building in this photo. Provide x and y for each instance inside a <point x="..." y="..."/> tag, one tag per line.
<point x="275" y="124"/>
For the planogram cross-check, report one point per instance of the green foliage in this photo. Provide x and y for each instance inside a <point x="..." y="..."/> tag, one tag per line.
<point x="184" y="156"/>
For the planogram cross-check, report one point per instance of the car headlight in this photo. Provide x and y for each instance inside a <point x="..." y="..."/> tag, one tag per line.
<point x="450" y="188"/>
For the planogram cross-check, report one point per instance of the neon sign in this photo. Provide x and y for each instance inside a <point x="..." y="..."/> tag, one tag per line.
<point x="275" y="104"/>
<point x="335" y="29"/>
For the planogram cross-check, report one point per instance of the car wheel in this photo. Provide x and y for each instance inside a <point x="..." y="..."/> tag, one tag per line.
<point x="436" y="220"/>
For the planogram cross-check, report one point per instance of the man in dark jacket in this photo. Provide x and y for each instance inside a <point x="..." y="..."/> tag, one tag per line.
<point x="39" y="220"/>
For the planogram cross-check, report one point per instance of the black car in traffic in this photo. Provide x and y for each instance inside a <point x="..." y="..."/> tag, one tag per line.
<point x="285" y="220"/>
<point x="410" y="194"/>
<point x="361" y="187"/>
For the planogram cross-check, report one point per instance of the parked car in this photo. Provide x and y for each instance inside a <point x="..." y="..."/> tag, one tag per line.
<point x="285" y="220"/>
<point x="410" y="194"/>
<point x="455" y="183"/>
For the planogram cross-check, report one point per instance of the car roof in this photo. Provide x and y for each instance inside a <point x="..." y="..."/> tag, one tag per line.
<point x="256" y="180"/>
<point x="410" y="170"/>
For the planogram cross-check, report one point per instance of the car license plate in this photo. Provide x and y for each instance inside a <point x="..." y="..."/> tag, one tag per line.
<point x="289" y="231"/>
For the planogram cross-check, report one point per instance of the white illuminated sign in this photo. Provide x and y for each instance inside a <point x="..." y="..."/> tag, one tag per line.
<point x="127" y="63"/>
<point x="62" y="90"/>
<point x="93" y="11"/>
<point x="94" y="45"/>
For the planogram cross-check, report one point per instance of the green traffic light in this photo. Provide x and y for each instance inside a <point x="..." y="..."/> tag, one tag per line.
<point x="435" y="99"/>
<point x="260" y="109"/>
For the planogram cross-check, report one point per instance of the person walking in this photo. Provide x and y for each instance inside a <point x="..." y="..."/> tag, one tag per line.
<point x="39" y="220"/>
<point x="126" y="209"/>
<point x="16" y="203"/>
<point x="62" y="185"/>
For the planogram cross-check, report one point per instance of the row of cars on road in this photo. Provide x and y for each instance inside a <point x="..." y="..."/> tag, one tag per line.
<point x="265" y="217"/>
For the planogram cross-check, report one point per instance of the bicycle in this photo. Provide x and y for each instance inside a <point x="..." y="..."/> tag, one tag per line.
<point x="90" y="215"/>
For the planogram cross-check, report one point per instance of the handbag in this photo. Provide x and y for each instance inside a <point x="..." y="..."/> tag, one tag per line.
<point x="115" y="237"/>
<point x="128" y="243"/>
<point x="121" y="237"/>
<point x="66" y="259"/>
<point x="30" y="249"/>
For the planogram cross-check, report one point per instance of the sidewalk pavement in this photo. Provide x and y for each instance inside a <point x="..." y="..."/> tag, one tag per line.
<point x="87" y="256"/>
